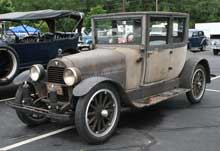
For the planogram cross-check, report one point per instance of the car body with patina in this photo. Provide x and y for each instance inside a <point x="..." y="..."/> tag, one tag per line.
<point x="91" y="87"/>
<point x="18" y="53"/>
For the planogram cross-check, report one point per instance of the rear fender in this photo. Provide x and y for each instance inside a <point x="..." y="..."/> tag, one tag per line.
<point x="189" y="68"/>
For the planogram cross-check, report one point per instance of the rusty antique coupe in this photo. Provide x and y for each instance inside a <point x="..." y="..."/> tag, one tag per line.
<point x="132" y="65"/>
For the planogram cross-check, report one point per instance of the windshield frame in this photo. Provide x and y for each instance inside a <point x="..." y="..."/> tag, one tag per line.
<point x="120" y="17"/>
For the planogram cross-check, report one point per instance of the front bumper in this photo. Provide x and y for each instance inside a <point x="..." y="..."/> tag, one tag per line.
<point x="83" y="45"/>
<point x="35" y="110"/>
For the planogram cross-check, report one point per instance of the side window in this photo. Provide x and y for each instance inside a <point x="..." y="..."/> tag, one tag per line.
<point x="201" y="33"/>
<point x="195" y="34"/>
<point x="178" y="34"/>
<point x="158" y="31"/>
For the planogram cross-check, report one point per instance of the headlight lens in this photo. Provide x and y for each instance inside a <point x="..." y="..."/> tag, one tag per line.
<point x="37" y="72"/>
<point x="71" y="76"/>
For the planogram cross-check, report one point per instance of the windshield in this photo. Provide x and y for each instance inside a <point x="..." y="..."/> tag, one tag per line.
<point x="118" y="31"/>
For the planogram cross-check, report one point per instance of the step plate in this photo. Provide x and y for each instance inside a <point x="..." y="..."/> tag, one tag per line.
<point x="159" y="98"/>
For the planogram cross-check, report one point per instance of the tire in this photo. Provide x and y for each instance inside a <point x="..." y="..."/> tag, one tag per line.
<point x="9" y="65"/>
<point x="199" y="85"/>
<point x="215" y="52"/>
<point x="28" y="118"/>
<point x="94" y="122"/>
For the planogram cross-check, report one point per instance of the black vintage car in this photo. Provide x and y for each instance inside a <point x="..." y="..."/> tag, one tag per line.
<point x="197" y="40"/>
<point x="19" y="53"/>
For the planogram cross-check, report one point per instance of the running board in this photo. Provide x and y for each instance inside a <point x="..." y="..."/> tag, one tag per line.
<point x="159" y="98"/>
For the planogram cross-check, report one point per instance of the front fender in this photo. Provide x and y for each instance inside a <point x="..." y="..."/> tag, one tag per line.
<point x="189" y="68"/>
<point x="21" y="78"/>
<point x="24" y="76"/>
<point x="86" y="85"/>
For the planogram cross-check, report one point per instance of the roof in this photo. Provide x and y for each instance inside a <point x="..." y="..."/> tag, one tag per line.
<point x="191" y="30"/>
<point x="142" y="13"/>
<point x="40" y="15"/>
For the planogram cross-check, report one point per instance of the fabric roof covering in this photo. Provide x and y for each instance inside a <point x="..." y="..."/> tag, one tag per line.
<point x="40" y="15"/>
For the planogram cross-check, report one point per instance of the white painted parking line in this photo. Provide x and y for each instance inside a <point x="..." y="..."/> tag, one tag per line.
<point x="36" y="138"/>
<point x="214" y="78"/>
<point x="211" y="90"/>
<point x="9" y="99"/>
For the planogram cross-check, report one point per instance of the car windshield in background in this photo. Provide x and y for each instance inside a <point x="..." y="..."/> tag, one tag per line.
<point x="120" y="31"/>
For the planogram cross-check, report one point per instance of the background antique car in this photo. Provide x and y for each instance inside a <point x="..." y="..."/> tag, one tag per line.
<point x="85" y="41"/>
<point x="197" y="40"/>
<point x="91" y="87"/>
<point x="20" y="52"/>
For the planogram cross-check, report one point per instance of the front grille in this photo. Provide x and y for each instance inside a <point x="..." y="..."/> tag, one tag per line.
<point x="55" y="74"/>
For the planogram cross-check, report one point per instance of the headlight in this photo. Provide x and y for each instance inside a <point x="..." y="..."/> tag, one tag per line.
<point x="37" y="72"/>
<point x="71" y="76"/>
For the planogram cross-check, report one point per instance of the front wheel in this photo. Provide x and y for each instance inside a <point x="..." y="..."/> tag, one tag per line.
<point x="97" y="114"/>
<point x="198" y="85"/>
<point x="25" y="98"/>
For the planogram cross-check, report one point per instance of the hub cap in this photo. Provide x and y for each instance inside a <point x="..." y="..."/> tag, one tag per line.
<point x="101" y="113"/>
<point x="198" y="84"/>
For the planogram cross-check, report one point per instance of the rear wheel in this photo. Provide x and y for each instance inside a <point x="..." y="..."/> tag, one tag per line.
<point x="97" y="114"/>
<point x="31" y="119"/>
<point x="9" y="63"/>
<point x="198" y="85"/>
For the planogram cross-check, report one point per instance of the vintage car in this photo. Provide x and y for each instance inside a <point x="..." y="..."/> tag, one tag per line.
<point x="18" y="53"/>
<point x="215" y="43"/>
<point x="91" y="87"/>
<point x="197" y="40"/>
<point x="85" y="40"/>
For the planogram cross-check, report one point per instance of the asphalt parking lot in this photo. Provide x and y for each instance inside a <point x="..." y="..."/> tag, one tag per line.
<point x="173" y="125"/>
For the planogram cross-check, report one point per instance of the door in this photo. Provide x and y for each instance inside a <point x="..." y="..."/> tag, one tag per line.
<point x="179" y="49"/>
<point x="194" y="40"/>
<point x="158" y="52"/>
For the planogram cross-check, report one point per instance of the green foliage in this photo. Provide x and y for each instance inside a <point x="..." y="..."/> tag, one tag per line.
<point x="93" y="11"/>
<point x="199" y="10"/>
<point x="6" y="6"/>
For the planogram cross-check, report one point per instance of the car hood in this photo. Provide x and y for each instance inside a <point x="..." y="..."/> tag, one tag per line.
<point x="98" y="62"/>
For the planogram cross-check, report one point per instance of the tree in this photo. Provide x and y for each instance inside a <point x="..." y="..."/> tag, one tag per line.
<point x="6" y="6"/>
<point x="93" y="11"/>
